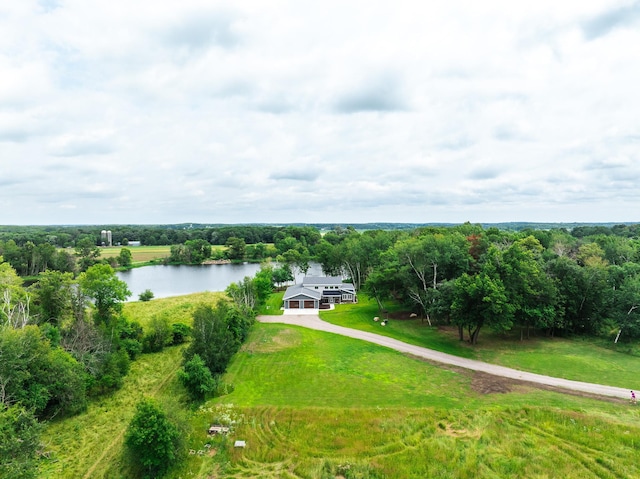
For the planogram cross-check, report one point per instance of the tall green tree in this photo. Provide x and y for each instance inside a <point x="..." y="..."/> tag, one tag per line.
<point x="19" y="443"/>
<point x="152" y="439"/>
<point x="481" y="300"/>
<point x="212" y="338"/>
<point x="87" y="252"/>
<point x="236" y="248"/>
<point x="125" y="258"/>
<point x="106" y="291"/>
<point x="196" y="378"/>
<point x="52" y="294"/>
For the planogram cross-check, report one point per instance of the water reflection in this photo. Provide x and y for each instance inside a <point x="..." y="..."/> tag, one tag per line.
<point x="176" y="280"/>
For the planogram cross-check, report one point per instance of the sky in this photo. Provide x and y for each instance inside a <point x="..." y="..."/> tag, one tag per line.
<point x="158" y="112"/>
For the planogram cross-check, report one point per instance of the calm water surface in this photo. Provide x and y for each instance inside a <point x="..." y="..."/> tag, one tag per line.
<point x="177" y="280"/>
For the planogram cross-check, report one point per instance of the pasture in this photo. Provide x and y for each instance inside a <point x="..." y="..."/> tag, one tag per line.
<point x="316" y="405"/>
<point x="140" y="254"/>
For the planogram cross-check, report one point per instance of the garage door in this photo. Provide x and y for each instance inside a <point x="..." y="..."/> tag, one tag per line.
<point x="309" y="304"/>
<point x="294" y="304"/>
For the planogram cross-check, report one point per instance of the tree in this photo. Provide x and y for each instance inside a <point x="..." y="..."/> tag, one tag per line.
<point x="199" y="250"/>
<point x="282" y="274"/>
<point x="45" y="380"/>
<point x="244" y="294"/>
<point x="212" y="340"/>
<point x="125" y="258"/>
<point x="146" y="295"/>
<point x="107" y="292"/>
<point x="530" y="291"/>
<point x="152" y="440"/>
<point x="19" y="443"/>
<point x="235" y="248"/>
<point x="87" y="253"/>
<point x="481" y="300"/>
<point x="196" y="378"/>
<point x="428" y="260"/>
<point x="52" y="294"/>
<point x="160" y="334"/>
<point x="627" y="307"/>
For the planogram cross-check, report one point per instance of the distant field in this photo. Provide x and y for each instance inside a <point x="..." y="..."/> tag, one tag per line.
<point x="140" y="254"/>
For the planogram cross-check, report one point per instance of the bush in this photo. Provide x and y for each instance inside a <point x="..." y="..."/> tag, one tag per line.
<point x="19" y="444"/>
<point x="180" y="333"/>
<point x="196" y="378"/>
<point x="152" y="439"/>
<point x="146" y="295"/>
<point x="160" y="335"/>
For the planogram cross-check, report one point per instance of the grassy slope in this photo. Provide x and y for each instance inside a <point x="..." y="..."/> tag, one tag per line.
<point x="578" y="359"/>
<point x="308" y="397"/>
<point x="90" y="444"/>
<point x="311" y="402"/>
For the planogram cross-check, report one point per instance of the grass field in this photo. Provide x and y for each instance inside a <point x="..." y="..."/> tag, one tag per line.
<point x="578" y="359"/>
<point x="315" y="405"/>
<point x="139" y="254"/>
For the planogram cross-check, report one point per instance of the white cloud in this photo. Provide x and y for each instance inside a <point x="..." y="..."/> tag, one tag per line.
<point x="362" y="111"/>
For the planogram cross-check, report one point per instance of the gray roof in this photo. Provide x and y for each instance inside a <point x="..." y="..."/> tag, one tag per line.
<point x="333" y="280"/>
<point x="299" y="290"/>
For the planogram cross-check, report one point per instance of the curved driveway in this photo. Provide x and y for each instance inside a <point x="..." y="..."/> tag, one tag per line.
<point x="314" y="322"/>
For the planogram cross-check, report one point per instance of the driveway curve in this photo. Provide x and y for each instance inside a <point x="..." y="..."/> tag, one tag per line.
<point x="314" y="322"/>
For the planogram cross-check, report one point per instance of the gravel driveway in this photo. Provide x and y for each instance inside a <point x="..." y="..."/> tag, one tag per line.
<point x="313" y="321"/>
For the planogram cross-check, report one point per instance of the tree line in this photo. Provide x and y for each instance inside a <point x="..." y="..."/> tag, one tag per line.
<point x="550" y="281"/>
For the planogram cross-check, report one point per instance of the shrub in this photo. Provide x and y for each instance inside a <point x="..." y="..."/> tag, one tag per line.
<point x="146" y="295"/>
<point x="152" y="439"/>
<point x="196" y="378"/>
<point x="180" y="333"/>
<point x="160" y="334"/>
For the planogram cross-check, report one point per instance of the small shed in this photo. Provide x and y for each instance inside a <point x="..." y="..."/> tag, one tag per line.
<point x="240" y="444"/>
<point x="218" y="429"/>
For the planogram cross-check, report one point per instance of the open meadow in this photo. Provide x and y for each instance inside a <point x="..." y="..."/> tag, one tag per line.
<point x="139" y="254"/>
<point x="315" y="405"/>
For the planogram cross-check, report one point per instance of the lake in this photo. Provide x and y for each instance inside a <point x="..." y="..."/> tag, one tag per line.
<point x="177" y="280"/>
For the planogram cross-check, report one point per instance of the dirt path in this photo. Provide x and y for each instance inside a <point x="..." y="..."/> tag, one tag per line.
<point x="314" y="322"/>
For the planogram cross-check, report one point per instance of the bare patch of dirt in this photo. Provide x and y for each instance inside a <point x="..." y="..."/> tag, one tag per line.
<point x="484" y="383"/>
<point x="487" y="384"/>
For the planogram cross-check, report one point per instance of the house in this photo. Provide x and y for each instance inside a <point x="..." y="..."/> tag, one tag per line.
<point x="318" y="291"/>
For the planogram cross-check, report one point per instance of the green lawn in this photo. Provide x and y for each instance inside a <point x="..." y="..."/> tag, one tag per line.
<point x="317" y="405"/>
<point x="578" y="359"/>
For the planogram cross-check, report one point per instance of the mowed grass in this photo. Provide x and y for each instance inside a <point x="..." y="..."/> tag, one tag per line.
<point x="315" y="405"/>
<point x="578" y="359"/>
<point x="274" y="305"/>
<point x="89" y="444"/>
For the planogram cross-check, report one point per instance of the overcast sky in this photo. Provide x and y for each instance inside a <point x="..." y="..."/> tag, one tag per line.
<point x="335" y="111"/>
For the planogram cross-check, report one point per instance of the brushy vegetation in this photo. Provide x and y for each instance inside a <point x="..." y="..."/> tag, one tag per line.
<point x="315" y="405"/>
